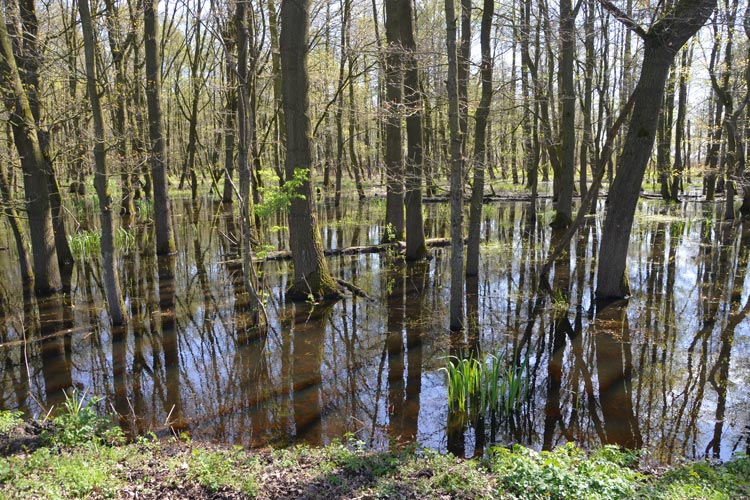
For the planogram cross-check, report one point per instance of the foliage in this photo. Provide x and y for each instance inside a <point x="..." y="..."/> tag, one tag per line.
<point x="566" y="472"/>
<point x="83" y="244"/>
<point x="348" y="468"/>
<point x="215" y="470"/>
<point x="49" y="474"/>
<point x="702" y="480"/>
<point x="9" y="420"/>
<point x="277" y="198"/>
<point x="476" y="387"/>
<point x="79" y="423"/>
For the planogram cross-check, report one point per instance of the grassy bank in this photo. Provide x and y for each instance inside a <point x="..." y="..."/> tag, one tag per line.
<point x="82" y="456"/>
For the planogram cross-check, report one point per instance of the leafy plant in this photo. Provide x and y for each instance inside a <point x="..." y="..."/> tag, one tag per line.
<point x="215" y="470"/>
<point x="277" y="198"/>
<point x="83" y="244"/>
<point x="9" y="420"/>
<point x="79" y="423"/>
<point x="566" y="472"/>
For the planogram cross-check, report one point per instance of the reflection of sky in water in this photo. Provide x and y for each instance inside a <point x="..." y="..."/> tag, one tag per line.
<point x="237" y="389"/>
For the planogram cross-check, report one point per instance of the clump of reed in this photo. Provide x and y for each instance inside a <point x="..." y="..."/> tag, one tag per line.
<point x="490" y="386"/>
<point x="85" y="244"/>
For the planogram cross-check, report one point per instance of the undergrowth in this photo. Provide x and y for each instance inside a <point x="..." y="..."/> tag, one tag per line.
<point x="83" y="460"/>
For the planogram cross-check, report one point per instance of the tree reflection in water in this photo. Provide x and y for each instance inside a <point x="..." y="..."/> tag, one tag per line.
<point x="666" y="371"/>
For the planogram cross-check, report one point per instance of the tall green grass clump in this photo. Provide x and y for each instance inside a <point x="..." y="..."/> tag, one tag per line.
<point x="78" y="423"/>
<point x="492" y="386"/>
<point x="84" y="244"/>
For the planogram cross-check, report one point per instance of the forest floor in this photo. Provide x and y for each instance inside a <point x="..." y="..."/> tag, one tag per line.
<point x="79" y="458"/>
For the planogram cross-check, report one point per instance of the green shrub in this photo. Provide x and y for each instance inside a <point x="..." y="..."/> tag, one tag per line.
<point x="79" y="423"/>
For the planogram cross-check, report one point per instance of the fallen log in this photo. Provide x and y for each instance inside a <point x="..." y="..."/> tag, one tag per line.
<point x="356" y="250"/>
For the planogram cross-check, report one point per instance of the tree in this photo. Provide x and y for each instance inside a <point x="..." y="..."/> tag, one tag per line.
<point x="162" y="210"/>
<point x="46" y="268"/>
<point x="117" y="47"/>
<point x="415" y="242"/>
<point x="311" y="275"/>
<point x="457" y="167"/>
<point x="661" y="43"/>
<point x="394" y="161"/>
<point x="107" y="246"/>
<point x="480" y="141"/>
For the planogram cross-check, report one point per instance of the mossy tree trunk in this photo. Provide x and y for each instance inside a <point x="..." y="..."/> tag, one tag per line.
<point x="46" y="268"/>
<point x="311" y="274"/>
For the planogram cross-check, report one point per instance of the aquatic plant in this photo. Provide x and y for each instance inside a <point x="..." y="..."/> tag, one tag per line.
<point x="79" y="422"/>
<point x="83" y="244"/>
<point x="477" y="387"/>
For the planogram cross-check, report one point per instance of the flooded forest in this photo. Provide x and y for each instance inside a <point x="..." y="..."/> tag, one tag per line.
<point x="456" y="224"/>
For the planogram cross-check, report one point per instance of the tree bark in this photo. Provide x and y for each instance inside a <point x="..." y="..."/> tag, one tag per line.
<point x="311" y="274"/>
<point x="456" y="177"/>
<point x="480" y="141"/>
<point x="415" y="242"/>
<point x="46" y="268"/>
<point x="107" y="243"/>
<point x="564" y="208"/>
<point x="162" y="207"/>
<point x="661" y="43"/>
<point x="394" y="164"/>
<point x="117" y="49"/>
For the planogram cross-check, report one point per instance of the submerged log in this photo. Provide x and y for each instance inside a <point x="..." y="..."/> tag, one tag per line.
<point x="399" y="246"/>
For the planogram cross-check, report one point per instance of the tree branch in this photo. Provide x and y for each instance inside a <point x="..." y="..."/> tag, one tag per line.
<point x="625" y="19"/>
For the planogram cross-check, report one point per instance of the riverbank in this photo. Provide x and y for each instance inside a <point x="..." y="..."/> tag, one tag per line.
<point x="83" y="457"/>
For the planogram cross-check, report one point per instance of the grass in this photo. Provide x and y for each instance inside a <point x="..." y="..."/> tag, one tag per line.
<point x="492" y="386"/>
<point x="9" y="420"/>
<point x="146" y="468"/>
<point x="85" y="244"/>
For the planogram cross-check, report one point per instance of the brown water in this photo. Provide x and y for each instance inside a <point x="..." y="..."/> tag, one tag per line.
<point x="669" y="372"/>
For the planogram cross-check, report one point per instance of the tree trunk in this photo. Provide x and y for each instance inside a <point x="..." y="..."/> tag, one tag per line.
<point x="28" y="58"/>
<point x="127" y="204"/>
<point x="415" y="242"/>
<point x="480" y="141"/>
<point x="19" y="235"/>
<point x="46" y="268"/>
<point x="564" y="209"/>
<point x="107" y="244"/>
<point x="162" y="209"/>
<point x="662" y="42"/>
<point x="394" y="164"/>
<point x="228" y="35"/>
<point x="679" y="164"/>
<point x="245" y="129"/>
<point x="664" y="135"/>
<point x="457" y="166"/>
<point x="311" y="276"/>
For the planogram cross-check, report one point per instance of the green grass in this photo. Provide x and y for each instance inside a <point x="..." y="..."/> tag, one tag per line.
<point x="98" y="468"/>
<point x="215" y="470"/>
<point x="84" y="244"/>
<point x="9" y="420"/>
<point x="492" y="386"/>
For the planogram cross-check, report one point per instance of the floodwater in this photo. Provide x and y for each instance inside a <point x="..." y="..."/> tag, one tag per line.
<point x="667" y="372"/>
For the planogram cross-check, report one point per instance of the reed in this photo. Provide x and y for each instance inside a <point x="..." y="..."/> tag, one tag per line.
<point x="490" y="386"/>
